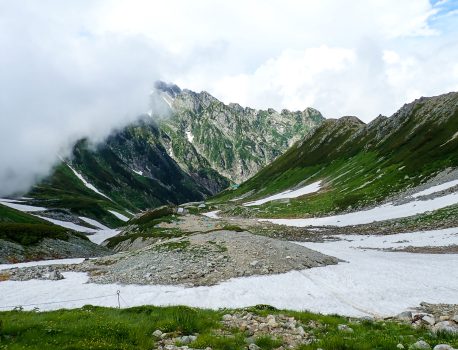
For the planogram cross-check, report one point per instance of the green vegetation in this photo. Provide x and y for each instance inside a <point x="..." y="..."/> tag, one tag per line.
<point x="12" y="215"/>
<point x="358" y="164"/>
<point x="154" y="217"/>
<point x="108" y="328"/>
<point x="155" y="233"/>
<point x="26" y="229"/>
<point x="63" y="190"/>
<point x="146" y="226"/>
<point x="28" y="234"/>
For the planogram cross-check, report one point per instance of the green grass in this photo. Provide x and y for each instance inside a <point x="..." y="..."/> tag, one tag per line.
<point x="108" y="328"/>
<point x="29" y="234"/>
<point x="12" y="215"/>
<point x="98" y="328"/>
<point x="356" y="172"/>
<point x="25" y="229"/>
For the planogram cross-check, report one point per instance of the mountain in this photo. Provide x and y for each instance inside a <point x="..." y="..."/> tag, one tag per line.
<point x="204" y="133"/>
<point x="358" y="164"/>
<point x="194" y="148"/>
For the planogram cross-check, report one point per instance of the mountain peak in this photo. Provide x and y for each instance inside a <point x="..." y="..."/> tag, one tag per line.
<point x="169" y="88"/>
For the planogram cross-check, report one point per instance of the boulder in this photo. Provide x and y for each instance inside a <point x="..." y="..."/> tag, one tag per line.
<point x="420" y="345"/>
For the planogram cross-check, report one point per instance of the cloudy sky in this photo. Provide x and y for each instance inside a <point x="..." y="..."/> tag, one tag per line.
<point x="75" y="68"/>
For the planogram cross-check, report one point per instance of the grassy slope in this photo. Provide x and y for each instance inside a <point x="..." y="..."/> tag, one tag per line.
<point x="107" y="328"/>
<point x="359" y="166"/>
<point x="25" y="229"/>
<point x="64" y="190"/>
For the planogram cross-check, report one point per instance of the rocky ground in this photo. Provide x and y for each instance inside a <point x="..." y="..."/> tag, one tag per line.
<point x="289" y="333"/>
<point x="200" y="259"/>
<point x="50" y="249"/>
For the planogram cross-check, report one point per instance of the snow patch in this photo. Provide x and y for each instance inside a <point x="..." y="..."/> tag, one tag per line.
<point x="437" y="188"/>
<point x="68" y="224"/>
<point x="21" y="207"/>
<point x="42" y="262"/>
<point x="370" y="283"/>
<point x="212" y="214"/>
<point x="139" y="172"/>
<point x="87" y="184"/>
<point x="167" y="101"/>
<point x="94" y="223"/>
<point x="314" y="187"/>
<point x="189" y="136"/>
<point x="381" y="213"/>
<point x="119" y="215"/>
<point x="101" y="235"/>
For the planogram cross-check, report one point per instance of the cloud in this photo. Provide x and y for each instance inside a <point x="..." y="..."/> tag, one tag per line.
<point x="82" y="68"/>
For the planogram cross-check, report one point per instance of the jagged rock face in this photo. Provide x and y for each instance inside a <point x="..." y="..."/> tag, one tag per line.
<point x="205" y="134"/>
<point x="193" y="147"/>
<point x="362" y="164"/>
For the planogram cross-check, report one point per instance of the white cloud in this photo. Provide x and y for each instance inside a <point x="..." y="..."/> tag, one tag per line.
<point x="76" y="68"/>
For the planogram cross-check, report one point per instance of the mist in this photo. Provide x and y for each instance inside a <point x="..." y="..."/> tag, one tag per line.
<point x="73" y="69"/>
<point x="57" y="87"/>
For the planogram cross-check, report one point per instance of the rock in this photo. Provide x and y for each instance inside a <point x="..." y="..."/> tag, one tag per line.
<point x="253" y="347"/>
<point x="186" y="339"/>
<point x="227" y="317"/>
<point x="420" y="345"/>
<point x="455" y="318"/>
<point x="271" y="322"/>
<point x="249" y="340"/>
<point x="344" y="328"/>
<point x="444" y="318"/>
<point x="301" y="332"/>
<point x="429" y="319"/>
<point x="157" y="333"/>
<point x="446" y="327"/>
<point x="55" y="275"/>
<point x="405" y="316"/>
<point x="254" y="263"/>
<point x="443" y="347"/>
<point x="400" y="346"/>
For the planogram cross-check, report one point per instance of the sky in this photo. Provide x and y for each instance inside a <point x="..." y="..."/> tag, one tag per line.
<point x="76" y="68"/>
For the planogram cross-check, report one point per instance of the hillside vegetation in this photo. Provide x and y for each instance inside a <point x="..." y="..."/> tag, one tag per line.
<point x="359" y="164"/>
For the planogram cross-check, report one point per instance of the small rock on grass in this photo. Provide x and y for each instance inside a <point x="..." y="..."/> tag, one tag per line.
<point x="443" y="347"/>
<point x="344" y="328"/>
<point x="157" y="333"/>
<point x="420" y="345"/>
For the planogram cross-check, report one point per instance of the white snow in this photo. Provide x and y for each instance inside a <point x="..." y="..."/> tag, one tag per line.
<point x="371" y="282"/>
<point x="68" y="224"/>
<point x="94" y="223"/>
<point x="189" y="136"/>
<point x="21" y="207"/>
<point x="314" y="187"/>
<point x="384" y="212"/>
<point x="139" y="172"/>
<point x="167" y="101"/>
<point x="87" y="184"/>
<point x="433" y="238"/>
<point x="119" y="215"/>
<point x="437" y="188"/>
<point x="212" y="214"/>
<point x="101" y="235"/>
<point x="7" y="200"/>
<point x="43" y="262"/>
<point x="97" y="236"/>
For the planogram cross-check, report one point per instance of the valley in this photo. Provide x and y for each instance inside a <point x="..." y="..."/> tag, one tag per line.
<point x="353" y="219"/>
